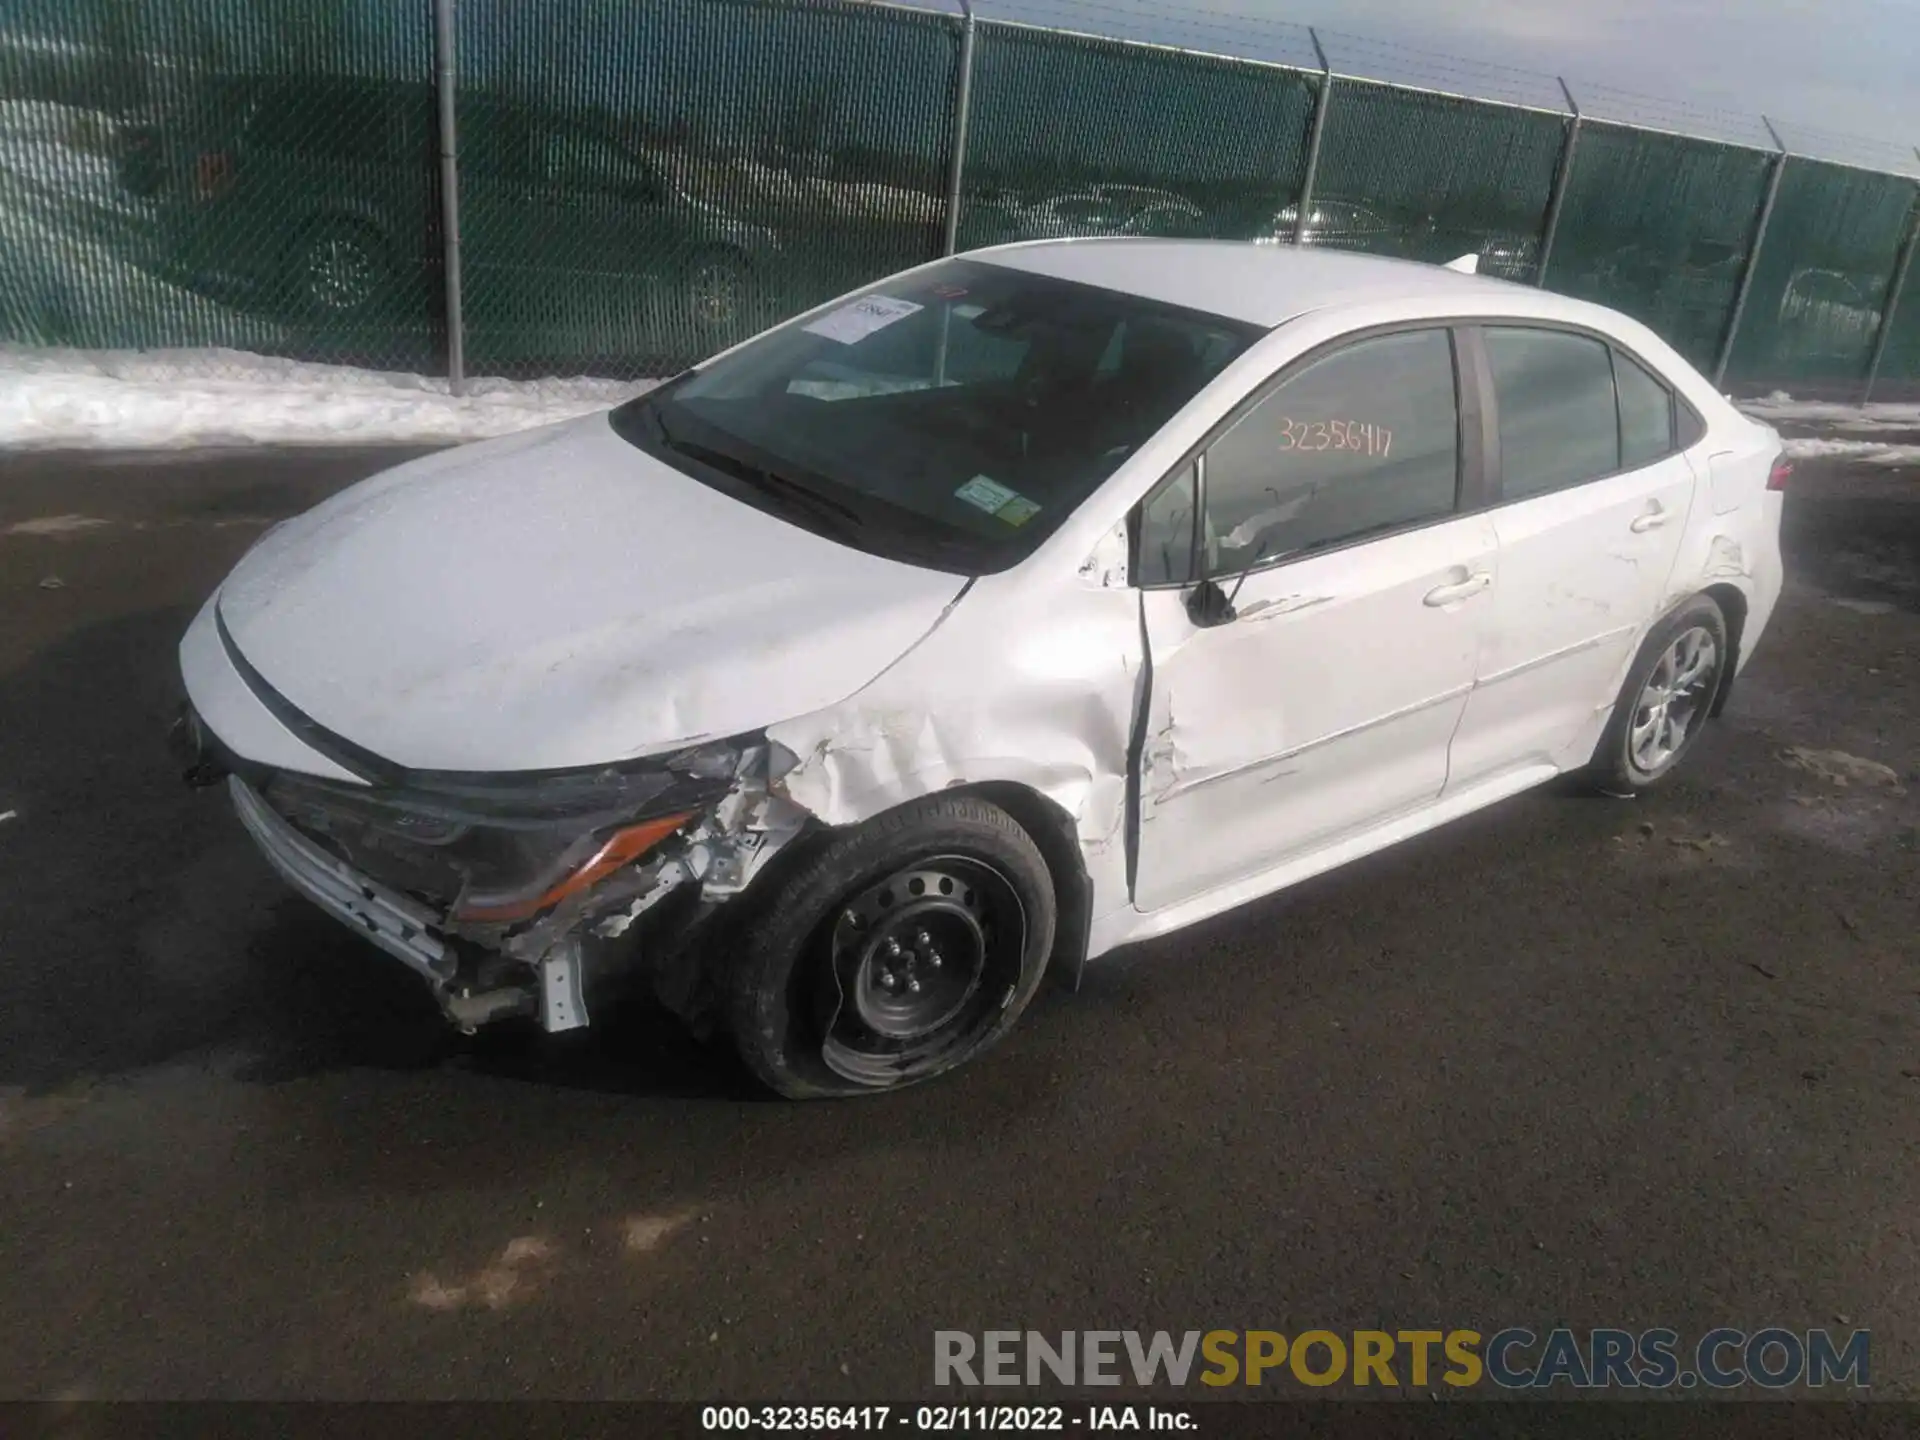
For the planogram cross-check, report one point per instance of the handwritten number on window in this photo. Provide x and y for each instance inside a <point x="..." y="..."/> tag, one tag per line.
<point x="1358" y="436"/>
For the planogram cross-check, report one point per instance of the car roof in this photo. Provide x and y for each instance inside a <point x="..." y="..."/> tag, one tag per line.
<point x="1254" y="283"/>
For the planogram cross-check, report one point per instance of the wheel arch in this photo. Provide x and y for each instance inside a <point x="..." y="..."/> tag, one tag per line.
<point x="1046" y="822"/>
<point x="1733" y="604"/>
<point x="1057" y="838"/>
<point x="340" y="212"/>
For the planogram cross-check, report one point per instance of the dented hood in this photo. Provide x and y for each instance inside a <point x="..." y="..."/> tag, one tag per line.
<point x="559" y="598"/>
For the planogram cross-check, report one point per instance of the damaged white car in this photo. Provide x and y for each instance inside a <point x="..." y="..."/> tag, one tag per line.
<point x="1020" y="606"/>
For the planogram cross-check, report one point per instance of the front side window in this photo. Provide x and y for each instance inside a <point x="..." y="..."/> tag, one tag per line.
<point x="1558" y="425"/>
<point x="1363" y="441"/>
<point x="1646" y="414"/>
<point x="952" y="419"/>
<point x="1166" y="533"/>
<point x="577" y="159"/>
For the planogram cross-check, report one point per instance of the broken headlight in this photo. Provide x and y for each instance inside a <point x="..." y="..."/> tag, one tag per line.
<point x="502" y="849"/>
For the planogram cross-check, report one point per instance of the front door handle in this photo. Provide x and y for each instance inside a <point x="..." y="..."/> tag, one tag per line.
<point x="1652" y="520"/>
<point x="1471" y="586"/>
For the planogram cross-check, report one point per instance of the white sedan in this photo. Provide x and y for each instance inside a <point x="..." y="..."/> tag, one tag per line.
<point x="1017" y="607"/>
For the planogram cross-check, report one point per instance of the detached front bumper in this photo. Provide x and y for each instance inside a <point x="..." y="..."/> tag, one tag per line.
<point x="398" y="924"/>
<point x="410" y="931"/>
<point x="527" y="949"/>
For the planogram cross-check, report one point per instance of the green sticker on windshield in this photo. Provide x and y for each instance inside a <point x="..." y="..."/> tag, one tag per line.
<point x="1018" y="510"/>
<point x="997" y="500"/>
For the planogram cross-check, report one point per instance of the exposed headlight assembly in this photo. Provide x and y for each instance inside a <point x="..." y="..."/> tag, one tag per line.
<point x="497" y="850"/>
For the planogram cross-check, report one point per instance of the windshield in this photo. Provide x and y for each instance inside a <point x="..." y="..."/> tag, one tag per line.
<point x="952" y="419"/>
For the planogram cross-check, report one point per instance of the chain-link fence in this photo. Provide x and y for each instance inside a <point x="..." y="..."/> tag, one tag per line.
<point x="641" y="182"/>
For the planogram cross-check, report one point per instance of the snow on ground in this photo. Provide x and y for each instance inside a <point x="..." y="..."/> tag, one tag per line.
<point x="1780" y="406"/>
<point x="1867" y="452"/>
<point x="174" y="399"/>
<point x="41" y="142"/>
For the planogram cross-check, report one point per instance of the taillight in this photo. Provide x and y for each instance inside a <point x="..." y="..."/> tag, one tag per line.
<point x="211" y="172"/>
<point x="1777" y="477"/>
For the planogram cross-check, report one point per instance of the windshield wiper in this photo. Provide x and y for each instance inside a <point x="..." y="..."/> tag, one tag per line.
<point x="804" y="497"/>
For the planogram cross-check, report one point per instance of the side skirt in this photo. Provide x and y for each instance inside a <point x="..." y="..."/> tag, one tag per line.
<point x="1123" y="927"/>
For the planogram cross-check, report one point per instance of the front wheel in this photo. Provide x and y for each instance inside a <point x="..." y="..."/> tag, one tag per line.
<point x="1665" y="702"/>
<point x="718" y="287"/>
<point x="340" y="269"/>
<point x="900" y="949"/>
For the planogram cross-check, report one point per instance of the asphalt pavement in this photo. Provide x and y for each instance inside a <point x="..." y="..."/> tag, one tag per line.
<point x="1569" y="1061"/>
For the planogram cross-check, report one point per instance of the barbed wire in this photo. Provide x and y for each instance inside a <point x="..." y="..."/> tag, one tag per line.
<point x="1361" y="57"/>
<point x="1387" y="60"/>
<point x="1844" y="149"/>
<point x="1275" y="42"/>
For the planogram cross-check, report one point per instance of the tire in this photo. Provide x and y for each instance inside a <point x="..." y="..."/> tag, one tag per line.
<point x="717" y="289"/>
<point x="824" y="1000"/>
<point x="339" y="269"/>
<point x="1631" y="757"/>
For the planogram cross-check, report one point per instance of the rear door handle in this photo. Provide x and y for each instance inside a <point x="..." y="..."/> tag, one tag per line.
<point x="1465" y="589"/>
<point x="1652" y="520"/>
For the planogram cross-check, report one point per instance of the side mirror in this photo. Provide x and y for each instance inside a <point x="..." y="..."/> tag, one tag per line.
<point x="1208" y="605"/>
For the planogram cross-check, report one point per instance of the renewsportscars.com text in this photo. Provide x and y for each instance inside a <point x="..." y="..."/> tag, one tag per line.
<point x="1514" y="1359"/>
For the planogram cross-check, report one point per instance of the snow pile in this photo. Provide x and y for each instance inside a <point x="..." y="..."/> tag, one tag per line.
<point x="171" y="399"/>
<point x="1867" y="452"/>
<point x="1780" y="406"/>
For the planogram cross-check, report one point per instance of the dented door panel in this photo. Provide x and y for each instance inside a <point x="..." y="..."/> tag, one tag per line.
<point x="1582" y="574"/>
<point x="1324" y="708"/>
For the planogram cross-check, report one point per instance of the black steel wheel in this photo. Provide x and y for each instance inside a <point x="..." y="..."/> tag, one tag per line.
<point x="900" y="949"/>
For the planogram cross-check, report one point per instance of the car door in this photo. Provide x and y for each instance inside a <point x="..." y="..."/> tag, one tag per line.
<point x="509" y="288"/>
<point x="1330" y="513"/>
<point x="604" y="230"/>
<point x="1593" y="494"/>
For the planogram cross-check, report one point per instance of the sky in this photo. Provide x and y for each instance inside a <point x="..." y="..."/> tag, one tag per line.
<point x="1813" y="66"/>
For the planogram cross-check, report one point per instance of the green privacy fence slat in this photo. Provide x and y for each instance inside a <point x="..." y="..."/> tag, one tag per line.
<point x="1822" y="276"/>
<point x="146" y="194"/>
<point x="1077" y="136"/>
<point x="1431" y="177"/>
<point x="1899" y="377"/>
<point x="645" y="183"/>
<point x="1658" y="226"/>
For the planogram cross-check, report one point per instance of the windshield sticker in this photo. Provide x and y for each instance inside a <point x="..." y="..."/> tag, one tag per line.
<point x="997" y="500"/>
<point x="853" y="323"/>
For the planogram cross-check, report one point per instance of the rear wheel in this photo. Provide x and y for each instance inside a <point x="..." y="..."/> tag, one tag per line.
<point x="1665" y="702"/>
<point x="902" y="948"/>
<point x="340" y="269"/>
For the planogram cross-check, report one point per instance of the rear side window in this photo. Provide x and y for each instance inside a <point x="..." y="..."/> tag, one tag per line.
<point x="1646" y="414"/>
<point x="496" y="142"/>
<point x="1558" y="425"/>
<point x="1363" y="441"/>
<point x="322" y="121"/>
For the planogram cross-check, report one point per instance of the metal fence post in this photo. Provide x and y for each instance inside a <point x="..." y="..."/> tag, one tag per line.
<point x="1891" y="310"/>
<point x="1313" y="141"/>
<point x="1559" y="197"/>
<point x="1753" y="256"/>
<point x="962" y="113"/>
<point x="444" y="81"/>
